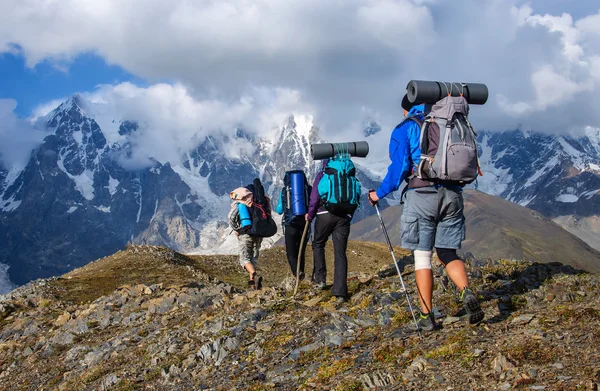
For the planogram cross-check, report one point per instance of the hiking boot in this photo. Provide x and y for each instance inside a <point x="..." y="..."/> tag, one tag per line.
<point x="340" y="299"/>
<point x="471" y="306"/>
<point x="425" y="322"/>
<point x="320" y="286"/>
<point x="257" y="281"/>
<point x="301" y="276"/>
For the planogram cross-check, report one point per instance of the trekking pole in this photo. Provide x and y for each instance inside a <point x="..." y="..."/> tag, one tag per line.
<point x="306" y="225"/>
<point x="376" y="204"/>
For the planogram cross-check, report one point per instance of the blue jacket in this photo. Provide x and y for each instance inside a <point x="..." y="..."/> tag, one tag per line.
<point x="405" y="152"/>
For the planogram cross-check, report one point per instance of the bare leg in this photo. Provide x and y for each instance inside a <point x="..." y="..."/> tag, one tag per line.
<point x="458" y="274"/>
<point x="424" y="279"/>
<point x="250" y="269"/>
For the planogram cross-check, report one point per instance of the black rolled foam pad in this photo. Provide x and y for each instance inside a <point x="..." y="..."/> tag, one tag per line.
<point x="328" y="150"/>
<point x="421" y="91"/>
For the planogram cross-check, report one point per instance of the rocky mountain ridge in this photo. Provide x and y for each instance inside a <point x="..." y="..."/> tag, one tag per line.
<point x="172" y="326"/>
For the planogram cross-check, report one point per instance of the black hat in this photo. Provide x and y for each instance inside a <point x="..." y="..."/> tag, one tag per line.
<point x="406" y="105"/>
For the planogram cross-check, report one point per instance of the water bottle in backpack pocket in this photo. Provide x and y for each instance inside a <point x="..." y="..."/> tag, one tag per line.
<point x="245" y="218"/>
<point x="339" y="188"/>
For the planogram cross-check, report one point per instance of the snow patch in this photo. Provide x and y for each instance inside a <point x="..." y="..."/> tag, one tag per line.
<point x="138" y="197"/>
<point x="577" y="157"/>
<point x="593" y="134"/>
<point x="72" y="209"/>
<point x="568" y="198"/>
<point x="101" y="208"/>
<point x="112" y="185"/>
<point x="84" y="182"/>
<point x="11" y="176"/>
<point x="5" y="284"/>
<point x="495" y="180"/>
<point x="106" y="119"/>
<point x="78" y="136"/>
<point x="156" y="170"/>
<point x="215" y="206"/>
<point x="538" y="174"/>
<point x="154" y="214"/>
<point x="10" y="205"/>
<point x="217" y="238"/>
<point x="590" y="194"/>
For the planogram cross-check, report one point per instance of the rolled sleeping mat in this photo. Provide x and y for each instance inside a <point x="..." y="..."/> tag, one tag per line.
<point x="328" y="150"/>
<point x="421" y="91"/>
<point x="245" y="219"/>
<point x="298" y="194"/>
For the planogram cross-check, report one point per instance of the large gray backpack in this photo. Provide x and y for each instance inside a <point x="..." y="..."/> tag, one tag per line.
<point x="448" y="143"/>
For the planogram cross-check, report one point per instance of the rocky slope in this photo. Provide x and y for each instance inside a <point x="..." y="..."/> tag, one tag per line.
<point x="150" y="318"/>
<point x="499" y="229"/>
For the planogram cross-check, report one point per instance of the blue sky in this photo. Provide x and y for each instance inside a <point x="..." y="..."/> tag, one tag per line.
<point x="45" y="82"/>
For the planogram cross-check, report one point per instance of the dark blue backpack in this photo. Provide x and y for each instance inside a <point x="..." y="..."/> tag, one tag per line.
<point x="339" y="188"/>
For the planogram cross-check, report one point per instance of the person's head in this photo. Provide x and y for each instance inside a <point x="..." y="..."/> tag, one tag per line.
<point x="411" y="108"/>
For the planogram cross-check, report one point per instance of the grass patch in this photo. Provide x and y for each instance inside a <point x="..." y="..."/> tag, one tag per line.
<point x="518" y="302"/>
<point x="307" y="358"/>
<point x="568" y="313"/>
<point x="387" y="353"/>
<point x="523" y="382"/>
<point x="135" y="265"/>
<point x="350" y="386"/>
<point x="95" y="374"/>
<point x="401" y="317"/>
<point x="152" y="375"/>
<point x="328" y="371"/>
<point x="273" y="344"/>
<point x="127" y="385"/>
<point x="533" y="352"/>
<point x="454" y="346"/>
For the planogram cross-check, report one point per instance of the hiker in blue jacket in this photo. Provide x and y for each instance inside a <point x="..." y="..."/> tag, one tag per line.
<point x="432" y="217"/>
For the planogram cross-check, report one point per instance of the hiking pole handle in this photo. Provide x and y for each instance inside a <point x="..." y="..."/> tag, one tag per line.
<point x="374" y="203"/>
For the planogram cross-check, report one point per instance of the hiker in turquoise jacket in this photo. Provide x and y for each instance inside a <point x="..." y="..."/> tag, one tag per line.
<point x="432" y="217"/>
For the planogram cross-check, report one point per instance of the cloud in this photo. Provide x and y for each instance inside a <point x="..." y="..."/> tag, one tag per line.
<point x="17" y="136"/>
<point x="342" y="57"/>
<point x="172" y="121"/>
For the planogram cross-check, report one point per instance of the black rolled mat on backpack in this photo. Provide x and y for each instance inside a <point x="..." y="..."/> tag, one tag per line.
<point x="328" y="150"/>
<point x="421" y="91"/>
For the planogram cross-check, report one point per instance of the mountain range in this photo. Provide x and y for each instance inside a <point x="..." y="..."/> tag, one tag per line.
<point x="78" y="199"/>
<point x="75" y="201"/>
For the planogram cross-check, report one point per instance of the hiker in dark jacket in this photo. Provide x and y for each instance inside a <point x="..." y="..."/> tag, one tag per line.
<point x="328" y="224"/>
<point x="292" y="233"/>
<point x="432" y="217"/>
